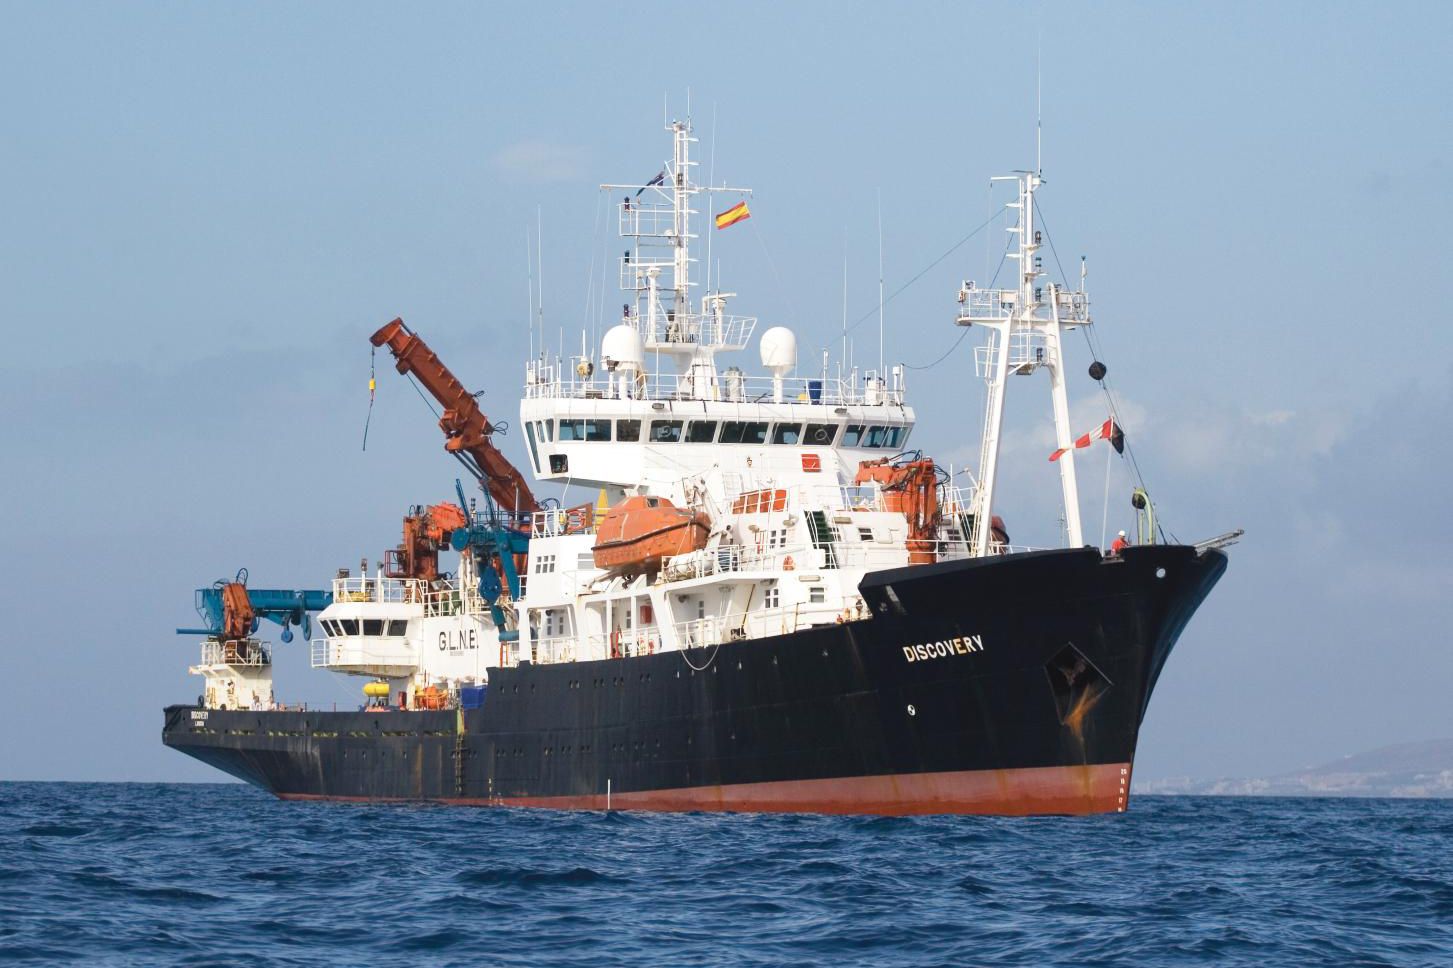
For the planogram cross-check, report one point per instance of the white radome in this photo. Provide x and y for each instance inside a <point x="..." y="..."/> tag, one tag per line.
<point x="779" y="350"/>
<point x="622" y="347"/>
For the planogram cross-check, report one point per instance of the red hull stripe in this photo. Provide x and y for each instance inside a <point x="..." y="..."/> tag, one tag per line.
<point x="1041" y="790"/>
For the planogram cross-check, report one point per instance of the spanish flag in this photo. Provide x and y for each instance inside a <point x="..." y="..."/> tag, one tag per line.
<point x="733" y="215"/>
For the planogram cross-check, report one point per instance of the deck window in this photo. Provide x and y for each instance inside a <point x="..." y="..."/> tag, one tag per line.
<point x="822" y="435"/>
<point x="572" y="430"/>
<point x="373" y="626"/>
<point x="665" y="431"/>
<point x="787" y="434"/>
<point x="853" y="435"/>
<point x="348" y="625"/>
<point x="545" y="429"/>
<point x="628" y="431"/>
<point x="743" y="432"/>
<point x="597" y="430"/>
<point x="701" y="432"/>
<point x="760" y="502"/>
<point x="398" y="627"/>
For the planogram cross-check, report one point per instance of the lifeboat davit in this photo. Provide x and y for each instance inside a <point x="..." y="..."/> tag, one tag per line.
<point x="636" y="534"/>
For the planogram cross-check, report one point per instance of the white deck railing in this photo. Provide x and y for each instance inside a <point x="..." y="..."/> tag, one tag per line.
<point x="246" y="652"/>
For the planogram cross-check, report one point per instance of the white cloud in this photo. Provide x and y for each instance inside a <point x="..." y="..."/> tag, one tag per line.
<point x="540" y="161"/>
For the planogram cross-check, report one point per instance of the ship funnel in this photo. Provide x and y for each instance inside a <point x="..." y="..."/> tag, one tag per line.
<point x="779" y="356"/>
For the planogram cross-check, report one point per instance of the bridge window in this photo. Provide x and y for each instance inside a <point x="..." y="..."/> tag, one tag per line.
<point x="665" y="431"/>
<point x="572" y="430"/>
<point x="701" y="432"/>
<point x="628" y="431"/>
<point x="884" y="436"/>
<point x="534" y="454"/>
<point x="545" y="429"/>
<point x="373" y="626"/>
<point x="787" y="434"/>
<point x="853" y="435"/>
<point x="743" y="432"/>
<point x="348" y="625"/>
<point x="597" y="430"/>
<point x="398" y="627"/>
<point x="820" y="434"/>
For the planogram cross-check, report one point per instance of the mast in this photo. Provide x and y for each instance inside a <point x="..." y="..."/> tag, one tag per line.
<point x="657" y="217"/>
<point x="1026" y="326"/>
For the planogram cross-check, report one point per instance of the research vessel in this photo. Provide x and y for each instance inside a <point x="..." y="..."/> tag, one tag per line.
<point x="767" y="600"/>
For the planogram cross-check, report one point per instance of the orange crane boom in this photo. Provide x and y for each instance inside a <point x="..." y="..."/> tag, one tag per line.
<point x="464" y="424"/>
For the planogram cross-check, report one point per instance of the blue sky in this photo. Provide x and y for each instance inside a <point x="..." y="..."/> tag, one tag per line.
<point x="208" y="208"/>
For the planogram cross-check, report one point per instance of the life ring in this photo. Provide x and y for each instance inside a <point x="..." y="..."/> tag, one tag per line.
<point x="788" y="564"/>
<point x="615" y="643"/>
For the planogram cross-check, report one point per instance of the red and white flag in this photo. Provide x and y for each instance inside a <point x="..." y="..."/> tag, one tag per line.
<point x="1106" y="431"/>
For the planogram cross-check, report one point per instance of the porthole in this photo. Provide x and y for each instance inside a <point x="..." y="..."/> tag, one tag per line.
<point x="1160" y="573"/>
<point x="912" y="710"/>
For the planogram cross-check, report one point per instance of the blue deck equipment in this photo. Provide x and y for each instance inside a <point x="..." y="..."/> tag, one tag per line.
<point x="286" y="607"/>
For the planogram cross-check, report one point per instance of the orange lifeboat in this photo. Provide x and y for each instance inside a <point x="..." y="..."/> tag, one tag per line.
<point x="636" y="534"/>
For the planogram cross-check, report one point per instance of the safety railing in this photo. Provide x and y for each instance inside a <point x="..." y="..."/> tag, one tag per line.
<point x="553" y="522"/>
<point x="977" y="305"/>
<point x="552" y="383"/>
<point x="239" y="652"/>
<point x="360" y="652"/>
<point x="379" y="589"/>
<point x="1071" y="307"/>
<point x="647" y="219"/>
<point x="557" y="648"/>
<point x="1028" y="349"/>
<point x="449" y="600"/>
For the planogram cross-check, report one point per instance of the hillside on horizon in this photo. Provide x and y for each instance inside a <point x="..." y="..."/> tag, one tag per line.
<point x="1418" y="769"/>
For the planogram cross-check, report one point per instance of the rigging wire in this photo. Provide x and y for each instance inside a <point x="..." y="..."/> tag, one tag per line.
<point x="924" y="271"/>
<point x="596" y="235"/>
<point x="947" y="352"/>
<point x="1002" y="259"/>
<point x="372" y="386"/>
<point x="427" y="402"/>
<point x="1096" y="352"/>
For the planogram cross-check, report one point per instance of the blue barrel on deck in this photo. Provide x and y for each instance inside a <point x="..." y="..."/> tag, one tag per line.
<point x="471" y="697"/>
<point x="814" y="391"/>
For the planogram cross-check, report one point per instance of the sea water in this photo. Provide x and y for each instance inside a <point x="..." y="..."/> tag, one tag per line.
<point x="135" y="874"/>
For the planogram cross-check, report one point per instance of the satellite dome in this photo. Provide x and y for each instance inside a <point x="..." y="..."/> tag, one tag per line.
<point x="779" y="350"/>
<point x="622" y="347"/>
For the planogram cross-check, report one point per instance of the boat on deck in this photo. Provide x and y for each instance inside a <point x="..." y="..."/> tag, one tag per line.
<point x="641" y="532"/>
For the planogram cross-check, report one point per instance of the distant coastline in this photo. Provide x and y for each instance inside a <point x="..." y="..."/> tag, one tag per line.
<point x="1411" y="770"/>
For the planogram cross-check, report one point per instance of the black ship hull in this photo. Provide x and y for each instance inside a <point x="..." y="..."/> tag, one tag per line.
<point x="1013" y="685"/>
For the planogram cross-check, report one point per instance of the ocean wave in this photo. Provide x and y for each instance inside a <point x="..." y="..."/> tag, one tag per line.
<point x="224" y="875"/>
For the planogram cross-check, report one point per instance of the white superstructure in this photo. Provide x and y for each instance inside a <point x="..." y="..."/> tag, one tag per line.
<point x="771" y="459"/>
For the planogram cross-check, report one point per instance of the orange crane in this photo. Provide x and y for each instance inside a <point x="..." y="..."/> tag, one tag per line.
<point x="909" y="487"/>
<point x="467" y="428"/>
<point x="426" y="532"/>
